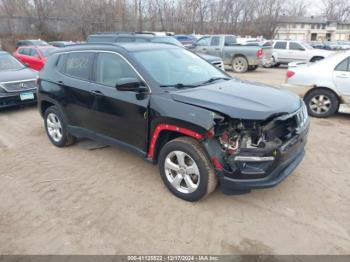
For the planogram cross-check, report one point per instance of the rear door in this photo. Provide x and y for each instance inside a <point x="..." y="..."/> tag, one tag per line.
<point x="75" y="81"/>
<point x="280" y="49"/>
<point x="35" y="60"/>
<point x="342" y="77"/>
<point x="120" y="115"/>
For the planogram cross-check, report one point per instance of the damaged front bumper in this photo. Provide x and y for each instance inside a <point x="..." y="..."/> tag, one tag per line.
<point x="263" y="169"/>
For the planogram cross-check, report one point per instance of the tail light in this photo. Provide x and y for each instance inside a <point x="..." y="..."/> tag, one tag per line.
<point x="260" y="53"/>
<point x="289" y="74"/>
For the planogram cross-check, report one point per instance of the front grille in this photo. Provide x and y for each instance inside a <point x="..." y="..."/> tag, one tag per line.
<point x="286" y="126"/>
<point x="301" y="117"/>
<point x="19" y="86"/>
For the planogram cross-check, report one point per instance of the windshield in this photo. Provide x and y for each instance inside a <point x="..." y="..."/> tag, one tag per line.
<point x="8" y="62"/>
<point x="177" y="67"/>
<point x="46" y="51"/>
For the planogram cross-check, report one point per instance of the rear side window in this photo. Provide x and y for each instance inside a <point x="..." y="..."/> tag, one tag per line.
<point x="344" y="65"/>
<point x="230" y="40"/>
<point x="280" y="45"/>
<point x="24" y="51"/>
<point x="110" y="68"/>
<point x="34" y="53"/>
<point x="215" y="41"/>
<point x="79" y="65"/>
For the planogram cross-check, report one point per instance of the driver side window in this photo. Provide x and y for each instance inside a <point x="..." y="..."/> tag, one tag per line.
<point x="295" y="46"/>
<point x="110" y="68"/>
<point x="203" y="41"/>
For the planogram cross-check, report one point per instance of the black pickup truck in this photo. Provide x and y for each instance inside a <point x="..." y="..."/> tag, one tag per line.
<point x="173" y="108"/>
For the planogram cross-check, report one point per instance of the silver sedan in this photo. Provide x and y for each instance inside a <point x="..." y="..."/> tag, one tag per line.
<point x="323" y="85"/>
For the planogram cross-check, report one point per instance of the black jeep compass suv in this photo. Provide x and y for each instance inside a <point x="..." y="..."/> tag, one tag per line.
<point x="169" y="105"/>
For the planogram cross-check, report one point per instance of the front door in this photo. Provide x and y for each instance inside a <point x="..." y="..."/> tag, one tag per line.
<point x="118" y="115"/>
<point x="342" y="77"/>
<point x="214" y="48"/>
<point x="202" y="45"/>
<point x="296" y="53"/>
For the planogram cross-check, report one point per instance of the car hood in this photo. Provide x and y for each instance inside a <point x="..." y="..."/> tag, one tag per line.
<point x="241" y="99"/>
<point x="17" y="75"/>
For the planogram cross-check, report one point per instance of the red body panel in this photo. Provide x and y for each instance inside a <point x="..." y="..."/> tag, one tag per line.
<point x="162" y="127"/>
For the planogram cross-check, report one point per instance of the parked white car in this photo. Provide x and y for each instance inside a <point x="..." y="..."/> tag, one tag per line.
<point x="323" y="85"/>
<point x="286" y="51"/>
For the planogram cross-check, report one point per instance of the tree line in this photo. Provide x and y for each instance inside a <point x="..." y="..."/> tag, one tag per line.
<point x="241" y="17"/>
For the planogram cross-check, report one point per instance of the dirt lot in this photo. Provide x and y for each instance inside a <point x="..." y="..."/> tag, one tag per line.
<point x="106" y="201"/>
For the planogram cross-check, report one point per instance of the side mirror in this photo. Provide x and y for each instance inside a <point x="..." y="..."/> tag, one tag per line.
<point x="130" y="84"/>
<point x="301" y="49"/>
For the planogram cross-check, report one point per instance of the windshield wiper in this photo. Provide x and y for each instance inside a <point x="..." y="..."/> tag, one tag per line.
<point x="213" y="79"/>
<point x="179" y="85"/>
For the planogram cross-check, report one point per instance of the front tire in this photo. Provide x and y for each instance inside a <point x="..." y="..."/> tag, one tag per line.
<point x="186" y="170"/>
<point x="56" y="128"/>
<point x="239" y="64"/>
<point x="321" y="103"/>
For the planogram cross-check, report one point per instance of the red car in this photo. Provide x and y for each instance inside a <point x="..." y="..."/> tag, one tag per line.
<point x="34" y="56"/>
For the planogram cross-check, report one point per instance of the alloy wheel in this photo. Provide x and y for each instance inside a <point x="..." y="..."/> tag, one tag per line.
<point x="320" y="104"/>
<point x="182" y="172"/>
<point x="54" y="127"/>
<point x="239" y="64"/>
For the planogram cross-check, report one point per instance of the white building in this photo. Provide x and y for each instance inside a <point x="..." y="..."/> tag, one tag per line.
<point x="311" y="29"/>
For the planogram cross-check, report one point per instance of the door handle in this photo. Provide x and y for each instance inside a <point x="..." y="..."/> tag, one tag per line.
<point x="217" y="49"/>
<point x="97" y="93"/>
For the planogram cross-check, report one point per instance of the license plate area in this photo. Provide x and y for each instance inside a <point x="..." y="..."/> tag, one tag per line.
<point x="26" y="96"/>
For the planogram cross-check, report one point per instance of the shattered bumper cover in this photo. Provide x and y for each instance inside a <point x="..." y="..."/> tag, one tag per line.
<point x="266" y="171"/>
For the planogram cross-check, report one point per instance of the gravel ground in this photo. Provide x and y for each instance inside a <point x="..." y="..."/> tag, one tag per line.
<point x="106" y="201"/>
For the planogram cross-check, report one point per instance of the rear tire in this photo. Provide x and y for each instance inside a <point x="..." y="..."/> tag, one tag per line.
<point x="321" y="103"/>
<point x="56" y="127"/>
<point x="186" y="169"/>
<point x="239" y="64"/>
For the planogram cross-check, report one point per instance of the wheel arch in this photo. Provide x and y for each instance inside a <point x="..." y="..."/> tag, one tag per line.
<point x="240" y="55"/>
<point x="316" y="56"/>
<point x="315" y="87"/>
<point x="165" y="131"/>
<point x="45" y="104"/>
